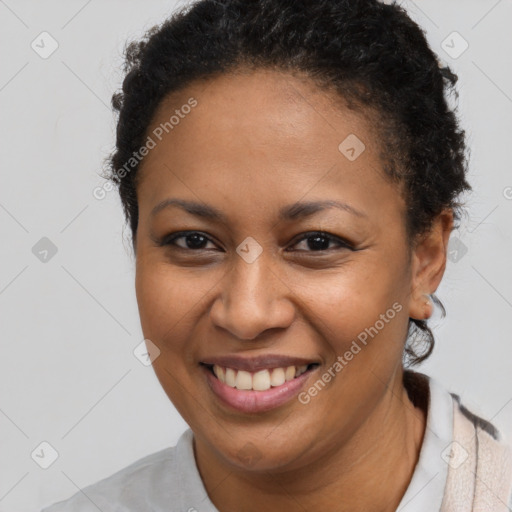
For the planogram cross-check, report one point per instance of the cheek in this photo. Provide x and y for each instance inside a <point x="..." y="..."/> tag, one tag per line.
<point x="363" y="323"/>
<point x="167" y="305"/>
<point x="164" y="308"/>
<point x="348" y="303"/>
<point x="165" y="298"/>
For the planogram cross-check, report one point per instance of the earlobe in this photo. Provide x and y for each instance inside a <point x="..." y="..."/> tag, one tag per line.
<point x="428" y="265"/>
<point x="428" y="307"/>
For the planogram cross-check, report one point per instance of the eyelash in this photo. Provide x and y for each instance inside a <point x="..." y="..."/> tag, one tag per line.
<point x="169" y="240"/>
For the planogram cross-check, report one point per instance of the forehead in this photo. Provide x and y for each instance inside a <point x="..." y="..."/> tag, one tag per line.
<point x="272" y="107"/>
<point x="261" y="134"/>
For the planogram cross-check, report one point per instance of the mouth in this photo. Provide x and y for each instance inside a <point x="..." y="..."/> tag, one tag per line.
<point x="261" y="380"/>
<point x="257" y="391"/>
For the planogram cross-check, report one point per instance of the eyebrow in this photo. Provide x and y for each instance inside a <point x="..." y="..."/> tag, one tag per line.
<point x="294" y="211"/>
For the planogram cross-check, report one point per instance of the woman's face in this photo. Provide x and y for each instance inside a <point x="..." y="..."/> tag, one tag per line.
<point x="263" y="161"/>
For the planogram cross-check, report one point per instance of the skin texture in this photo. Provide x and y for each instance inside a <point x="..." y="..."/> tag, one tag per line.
<point x="256" y="142"/>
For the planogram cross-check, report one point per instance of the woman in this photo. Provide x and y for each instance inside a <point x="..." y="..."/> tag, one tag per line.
<point x="291" y="174"/>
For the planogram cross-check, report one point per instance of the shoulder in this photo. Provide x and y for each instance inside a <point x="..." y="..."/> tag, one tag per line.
<point x="481" y="461"/>
<point x="131" y="488"/>
<point x="471" y="452"/>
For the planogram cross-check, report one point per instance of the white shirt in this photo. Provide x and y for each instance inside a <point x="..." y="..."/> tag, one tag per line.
<point x="168" y="480"/>
<point x="426" y="488"/>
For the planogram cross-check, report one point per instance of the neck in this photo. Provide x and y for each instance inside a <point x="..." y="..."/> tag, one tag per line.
<point x="359" y="475"/>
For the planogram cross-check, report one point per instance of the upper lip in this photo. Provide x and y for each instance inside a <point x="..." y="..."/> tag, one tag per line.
<point x="254" y="364"/>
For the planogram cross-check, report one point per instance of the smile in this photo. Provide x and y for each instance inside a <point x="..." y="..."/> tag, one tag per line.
<point x="258" y="381"/>
<point x="256" y="391"/>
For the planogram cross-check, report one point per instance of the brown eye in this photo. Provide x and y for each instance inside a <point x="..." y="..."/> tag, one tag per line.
<point x="320" y="241"/>
<point x="191" y="240"/>
<point x="312" y="242"/>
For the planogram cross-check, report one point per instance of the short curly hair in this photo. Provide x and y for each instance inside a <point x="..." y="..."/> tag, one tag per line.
<point x="371" y="53"/>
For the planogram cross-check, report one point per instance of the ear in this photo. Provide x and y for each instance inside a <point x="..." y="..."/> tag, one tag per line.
<point x="428" y="264"/>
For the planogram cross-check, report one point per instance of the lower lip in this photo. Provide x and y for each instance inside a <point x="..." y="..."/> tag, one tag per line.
<point x="250" y="401"/>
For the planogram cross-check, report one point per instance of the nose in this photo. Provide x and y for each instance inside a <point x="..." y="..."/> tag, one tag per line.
<point x="253" y="298"/>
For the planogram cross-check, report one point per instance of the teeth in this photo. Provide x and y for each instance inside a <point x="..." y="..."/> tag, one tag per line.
<point x="243" y="380"/>
<point x="258" y="381"/>
<point x="290" y="373"/>
<point x="219" y="373"/>
<point x="230" y="377"/>
<point x="301" y="369"/>
<point x="278" y="377"/>
<point x="261" y="380"/>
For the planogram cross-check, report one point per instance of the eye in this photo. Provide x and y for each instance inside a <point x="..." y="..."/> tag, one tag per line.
<point x="191" y="240"/>
<point x="318" y="241"/>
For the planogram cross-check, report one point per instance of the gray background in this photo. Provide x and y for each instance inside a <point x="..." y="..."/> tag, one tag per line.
<point x="69" y="324"/>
